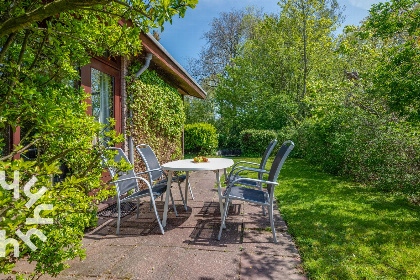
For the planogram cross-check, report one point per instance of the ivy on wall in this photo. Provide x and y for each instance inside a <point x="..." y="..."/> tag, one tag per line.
<point x="158" y="116"/>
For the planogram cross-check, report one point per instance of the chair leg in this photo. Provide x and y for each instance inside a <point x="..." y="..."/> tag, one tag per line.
<point x="189" y="186"/>
<point x="222" y="225"/>
<point x="119" y="216"/>
<point x="264" y="213"/>
<point x="138" y="207"/>
<point x="182" y="196"/>
<point x="273" y="229"/>
<point x="173" y="204"/>
<point x="152" y="200"/>
<point x="263" y="208"/>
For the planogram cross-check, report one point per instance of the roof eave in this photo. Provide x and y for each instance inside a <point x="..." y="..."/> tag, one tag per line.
<point x="161" y="57"/>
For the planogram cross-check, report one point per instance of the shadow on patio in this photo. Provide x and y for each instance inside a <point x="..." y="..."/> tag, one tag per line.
<point x="189" y="249"/>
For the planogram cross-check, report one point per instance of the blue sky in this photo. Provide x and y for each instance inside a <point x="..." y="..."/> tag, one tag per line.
<point x="183" y="39"/>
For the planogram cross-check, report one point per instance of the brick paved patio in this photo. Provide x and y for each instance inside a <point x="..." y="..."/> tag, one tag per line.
<point x="189" y="248"/>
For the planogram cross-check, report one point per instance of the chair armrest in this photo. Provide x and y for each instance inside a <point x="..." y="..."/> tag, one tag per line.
<point x="236" y="167"/>
<point x="252" y="169"/>
<point x="148" y="171"/>
<point x="254" y="180"/>
<point x="242" y="161"/>
<point x="131" y="178"/>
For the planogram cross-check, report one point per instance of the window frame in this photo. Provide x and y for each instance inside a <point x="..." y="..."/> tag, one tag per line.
<point x="112" y="68"/>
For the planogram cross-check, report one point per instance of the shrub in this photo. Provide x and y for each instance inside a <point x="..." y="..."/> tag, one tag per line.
<point x="65" y="139"/>
<point x="366" y="148"/>
<point x="200" y="138"/>
<point x="229" y="141"/>
<point x="254" y="142"/>
<point x="290" y="133"/>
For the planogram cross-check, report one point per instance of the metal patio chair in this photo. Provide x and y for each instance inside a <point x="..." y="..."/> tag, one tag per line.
<point x="236" y="191"/>
<point x="236" y="169"/>
<point x="152" y="162"/>
<point x="128" y="181"/>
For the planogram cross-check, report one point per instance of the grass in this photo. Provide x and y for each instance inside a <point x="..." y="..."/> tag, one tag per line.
<point x="344" y="230"/>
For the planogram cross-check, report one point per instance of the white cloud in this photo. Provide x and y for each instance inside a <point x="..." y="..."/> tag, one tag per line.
<point x="364" y="4"/>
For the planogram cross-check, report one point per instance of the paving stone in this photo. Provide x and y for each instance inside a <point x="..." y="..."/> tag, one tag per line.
<point x="262" y="242"/>
<point x="174" y="236"/>
<point x="205" y="236"/>
<point x="77" y="277"/>
<point x="23" y="266"/>
<point x="149" y="262"/>
<point x="235" y="209"/>
<point x="255" y="219"/>
<point x="199" y="264"/>
<point x="260" y="266"/>
<point x="99" y="259"/>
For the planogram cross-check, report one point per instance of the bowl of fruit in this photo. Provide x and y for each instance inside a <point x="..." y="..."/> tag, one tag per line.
<point x="200" y="159"/>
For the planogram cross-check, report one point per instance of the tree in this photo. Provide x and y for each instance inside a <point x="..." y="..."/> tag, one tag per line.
<point x="310" y="23"/>
<point x="17" y="16"/>
<point x="201" y="111"/>
<point x="223" y="41"/>
<point x="272" y="82"/>
<point x="396" y="23"/>
<point x="43" y="45"/>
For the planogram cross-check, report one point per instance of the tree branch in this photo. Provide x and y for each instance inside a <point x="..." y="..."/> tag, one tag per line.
<point x="20" y="59"/>
<point x="39" y="51"/>
<point x="6" y="46"/>
<point x="23" y="49"/>
<point x="15" y="24"/>
<point x="20" y="150"/>
<point x="62" y="154"/>
<point x="95" y="159"/>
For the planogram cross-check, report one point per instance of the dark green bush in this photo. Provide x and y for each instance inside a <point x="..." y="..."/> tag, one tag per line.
<point x="227" y="141"/>
<point x="366" y="148"/>
<point x="200" y="138"/>
<point x="254" y="142"/>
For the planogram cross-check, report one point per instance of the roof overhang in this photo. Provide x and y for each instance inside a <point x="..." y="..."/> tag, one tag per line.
<point x="185" y="84"/>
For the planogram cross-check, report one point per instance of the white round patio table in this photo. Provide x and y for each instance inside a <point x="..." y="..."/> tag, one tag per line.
<point x="188" y="165"/>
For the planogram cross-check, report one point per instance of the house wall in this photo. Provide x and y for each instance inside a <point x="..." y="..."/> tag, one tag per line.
<point x="124" y="110"/>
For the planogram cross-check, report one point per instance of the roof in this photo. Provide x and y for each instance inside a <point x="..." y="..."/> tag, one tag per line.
<point x="183" y="81"/>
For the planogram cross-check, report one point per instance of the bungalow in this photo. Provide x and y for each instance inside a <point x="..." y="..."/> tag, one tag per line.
<point x="105" y="79"/>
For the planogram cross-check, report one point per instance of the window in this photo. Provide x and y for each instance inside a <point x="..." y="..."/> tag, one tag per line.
<point x="102" y="90"/>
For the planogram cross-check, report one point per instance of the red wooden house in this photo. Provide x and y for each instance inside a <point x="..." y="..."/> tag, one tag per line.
<point x="112" y="72"/>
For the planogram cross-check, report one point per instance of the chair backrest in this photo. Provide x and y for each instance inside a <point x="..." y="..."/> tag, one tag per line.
<point x="150" y="160"/>
<point x="125" y="186"/>
<point x="278" y="162"/>
<point x="265" y="156"/>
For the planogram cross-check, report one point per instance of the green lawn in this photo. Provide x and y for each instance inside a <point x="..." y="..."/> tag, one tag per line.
<point x="344" y="230"/>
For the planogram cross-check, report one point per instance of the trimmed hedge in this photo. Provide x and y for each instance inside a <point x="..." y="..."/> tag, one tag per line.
<point x="200" y="138"/>
<point x="254" y="141"/>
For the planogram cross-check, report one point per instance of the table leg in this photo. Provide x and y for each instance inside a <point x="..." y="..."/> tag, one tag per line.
<point x="219" y="189"/>
<point x="168" y="191"/>
<point x="187" y="181"/>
